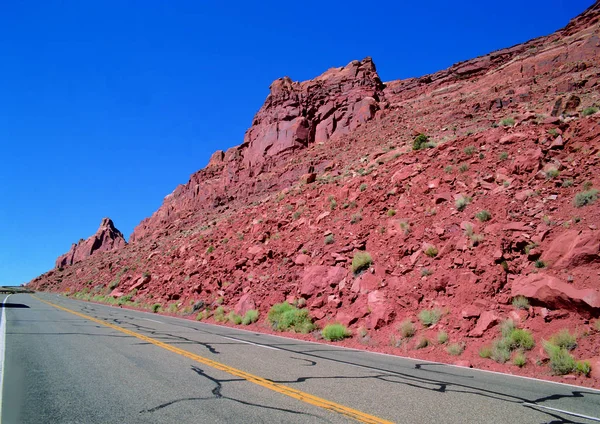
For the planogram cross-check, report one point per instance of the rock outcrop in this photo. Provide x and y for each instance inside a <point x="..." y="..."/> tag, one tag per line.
<point x="294" y="116"/>
<point x="106" y="238"/>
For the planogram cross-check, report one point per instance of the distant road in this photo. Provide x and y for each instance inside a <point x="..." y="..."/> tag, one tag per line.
<point x="99" y="364"/>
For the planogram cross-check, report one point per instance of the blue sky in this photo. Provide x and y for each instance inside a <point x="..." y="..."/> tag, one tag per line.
<point x="105" y="107"/>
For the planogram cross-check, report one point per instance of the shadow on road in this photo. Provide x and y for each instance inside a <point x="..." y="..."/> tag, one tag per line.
<point x="13" y="305"/>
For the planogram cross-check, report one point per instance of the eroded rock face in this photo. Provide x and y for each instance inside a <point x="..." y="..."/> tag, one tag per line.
<point x="296" y="114"/>
<point x="106" y="238"/>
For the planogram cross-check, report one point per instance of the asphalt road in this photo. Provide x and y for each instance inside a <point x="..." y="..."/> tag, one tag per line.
<point x="64" y="368"/>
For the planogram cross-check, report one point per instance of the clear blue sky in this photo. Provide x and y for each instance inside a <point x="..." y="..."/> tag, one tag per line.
<point x="105" y="107"/>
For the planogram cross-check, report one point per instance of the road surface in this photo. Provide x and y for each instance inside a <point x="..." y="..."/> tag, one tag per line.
<point x="70" y="361"/>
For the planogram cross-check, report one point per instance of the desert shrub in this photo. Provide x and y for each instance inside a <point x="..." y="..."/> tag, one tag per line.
<point x="539" y="264"/>
<point x="520" y="302"/>
<point x="357" y="217"/>
<point x="431" y="251"/>
<point x="561" y="361"/>
<point x="425" y="272"/>
<point x="503" y="156"/>
<point x="234" y="318"/>
<point x="589" y="111"/>
<point x="329" y="239"/>
<point x="391" y="212"/>
<point x="250" y="317"/>
<point x="210" y="249"/>
<point x="583" y="367"/>
<point x="429" y="317"/>
<point x="219" y="314"/>
<point x="200" y="316"/>
<point x="335" y="332"/>
<point x="469" y="150"/>
<point x="361" y="261"/>
<point x="420" y="142"/>
<point x="362" y="187"/>
<point x="483" y="215"/>
<point x="423" y="342"/>
<point x="442" y="337"/>
<point x="564" y="339"/>
<point x="520" y="359"/>
<point x="485" y="352"/>
<point x="507" y="122"/>
<point x="520" y="338"/>
<point x="463" y="167"/>
<point x="155" y="307"/>
<point x="584" y="198"/>
<point x="285" y="317"/>
<point x="407" y="329"/>
<point x="462" y="202"/>
<point x="506" y="327"/>
<point x="500" y="351"/>
<point x="567" y="183"/>
<point x="552" y="173"/>
<point x="455" y="349"/>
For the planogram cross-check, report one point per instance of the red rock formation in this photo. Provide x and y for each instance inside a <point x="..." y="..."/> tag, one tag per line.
<point x="106" y="238"/>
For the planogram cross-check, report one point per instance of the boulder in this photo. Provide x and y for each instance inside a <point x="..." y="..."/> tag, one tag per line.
<point x="547" y="290"/>
<point x="315" y="279"/>
<point x="486" y="321"/>
<point x="573" y="248"/>
<point x="245" y="304"/>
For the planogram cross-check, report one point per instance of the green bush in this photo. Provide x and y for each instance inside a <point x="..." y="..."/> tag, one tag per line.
<point x="539" y="264"/>
<point x="429" y="317"/>
<point x="590" y="110"/>
<point x="520" y="360"/>
<point x="250" y="317"/>
<point x="561" y="361"/>
<point x="391" y="212"/>
<point x="485" y="352"/>
<point x="552" y="173"/>
<point x="431" y="251"/>
<point x="503" y="156"/>
<point x="219" y="314"/>
<point x="155" y="307"/>
<point x="407" y="329"/>
<point x="335" y="332"/>
<point x="564" y="339"/>
<point x="584" y="198"/>
<point x="462" y="202"/>
<point x="361" y="261"/>
<point x="520" y="338"/>
<point x="500" y="351"/>
<point x="507" y="122"/>
<point x="329" y="239"/>
<point x="455" y="349"/>
<point x="421" y="142"/>
<point x="285" y="317"/>
<point x="520" y="302"/>
<point x="362" y="187"/>
<point x="583" y="367"/>
<point x="442" y="337"/>
<point x="469" y="150"/>
<point x="234" y="318"/>
<point x="483" y="215"/>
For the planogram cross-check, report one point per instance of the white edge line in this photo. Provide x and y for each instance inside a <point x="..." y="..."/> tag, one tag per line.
<point x="250" y="343"/>
<point x="2" y="350"/>
<point x="535" y="405"/>
<point x="153" y="320"/>
<point x="353" y="349"/>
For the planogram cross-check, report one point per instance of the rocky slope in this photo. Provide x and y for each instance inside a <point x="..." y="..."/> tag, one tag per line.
<point x="501" y="205"/>
<point x="106" y="238"/>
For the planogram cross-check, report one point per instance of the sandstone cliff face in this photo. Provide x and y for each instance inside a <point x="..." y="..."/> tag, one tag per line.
<point x="294" y="116"/>
<point x="106" y="238"/>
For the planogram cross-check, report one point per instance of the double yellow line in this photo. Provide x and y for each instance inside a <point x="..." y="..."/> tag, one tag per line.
<point x="276" y="387"/>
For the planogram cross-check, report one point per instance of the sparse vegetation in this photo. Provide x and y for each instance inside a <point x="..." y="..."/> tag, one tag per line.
<point x="463" y="167"/>
<point x="462" y="202"/>
<point x="448" y="169"/>
<point x="455" y="349"/>
<point x="407" y="329"/>
<point x="590" y="111"/>
<point x="584" y="198"/>
<point x="155" y="308"/>
<point x="391" y="212"/>
<point x="362" y="187"/>
<point x="512" y="339"/>
<point x="250" y="317"/>
<point x="483" y="215"/>
<point x="361" y="261"/>
<point x="503" y="156"/>
<point x="431" y="251"/>
<point x="567" y="183"/>
<point x="552" y="173"/>
<point x="539" y="264"/>
<point x="426" y="272"/>
<point x="405" y="227"/>
<point x="357" y="217"/>
<point x="507" y="122"/>
<point x="422" y="142"/>
<point x="564" y="339"/>
<point x="561" y="361"/>
<point x="469" y="150"/>
<point x="329" y="239"/>
<point x="520" y="360"/>
<point x="442" y="337"/>
<point x="429" y="317"/>
<point x="520" y="302"/>
<point x="210" y="249"/>
<point x="219" y="314"/>
<point x="234" y="318"/>
<point x="423" y="342"/>
<point x="285" y="317"/>
<point x="335" y="332"/>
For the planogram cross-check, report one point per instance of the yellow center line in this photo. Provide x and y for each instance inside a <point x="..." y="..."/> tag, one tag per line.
<point x="276" y="387"/>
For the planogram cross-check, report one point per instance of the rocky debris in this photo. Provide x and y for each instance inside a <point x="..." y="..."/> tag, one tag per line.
<point x="106" y="238"/>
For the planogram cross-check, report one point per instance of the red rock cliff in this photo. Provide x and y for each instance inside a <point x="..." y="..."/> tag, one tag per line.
<point x="106" y="238"/>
